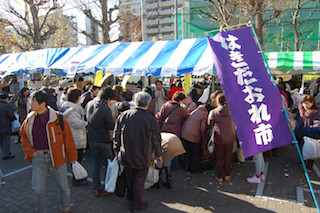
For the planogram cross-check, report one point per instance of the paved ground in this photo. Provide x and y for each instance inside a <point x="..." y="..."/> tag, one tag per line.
<point x="285" y="190"/>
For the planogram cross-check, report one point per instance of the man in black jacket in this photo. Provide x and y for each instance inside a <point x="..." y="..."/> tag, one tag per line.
<point x="6" y="117"/>
<point x="100" y="121"/>
<point x="137" y="137"/>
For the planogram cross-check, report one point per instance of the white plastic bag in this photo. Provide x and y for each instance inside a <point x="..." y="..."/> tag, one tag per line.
<point x="79" y="172"/>
<point x="310" y="149"/>
<point x="111" y="175"/>
<point x="152" y="177"/>
<point x="15" y="125"/>
<point x="210" y="146"/>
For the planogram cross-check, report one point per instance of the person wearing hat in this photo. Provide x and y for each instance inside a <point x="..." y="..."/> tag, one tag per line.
<point x="6" y="117"/>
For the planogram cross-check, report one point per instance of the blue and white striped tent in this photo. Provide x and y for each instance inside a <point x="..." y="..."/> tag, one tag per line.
<point x="158" y="58"/>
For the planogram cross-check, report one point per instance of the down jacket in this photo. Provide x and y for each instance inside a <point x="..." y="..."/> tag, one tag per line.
<point x="194" y="129"/>
<point x="74" y="114"/>
<point x="223" y="129"/>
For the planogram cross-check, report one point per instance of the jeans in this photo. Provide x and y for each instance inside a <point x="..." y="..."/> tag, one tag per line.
<point x="5" y="145"/>
<point x="259" y="163"/>
<point x="100" y="153"/>
<point x="41" y="165"/>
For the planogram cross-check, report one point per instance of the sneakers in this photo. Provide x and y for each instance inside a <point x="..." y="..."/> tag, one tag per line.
<point x="254" y="179"/>
<point x="263" y="177"/>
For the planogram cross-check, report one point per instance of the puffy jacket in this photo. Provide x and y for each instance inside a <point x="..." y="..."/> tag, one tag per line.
<point x="223" y="130"/>
<point x="74" y="115"/>
<point x="171" y="117"/>
<point x="61" y="144"/>
<point x="195" y="127"/>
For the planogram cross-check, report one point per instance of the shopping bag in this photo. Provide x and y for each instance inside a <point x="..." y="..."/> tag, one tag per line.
<point x="240" y="155"/>
<point x="79" y="172"/>
<point x="15" y="125"/>
<point x="152" y="177"/>
<point x="111" y="175"/>
<point x="310" y="149"/>
<point x="210" y="146"/>
<point x="171" y="145"/>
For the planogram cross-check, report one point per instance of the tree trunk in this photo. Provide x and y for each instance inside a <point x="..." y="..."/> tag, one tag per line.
<point x="259" y="23"/>
<point x="295" y="26"/>
<point x="36" y="26"/>
<point x="105" y="22"/>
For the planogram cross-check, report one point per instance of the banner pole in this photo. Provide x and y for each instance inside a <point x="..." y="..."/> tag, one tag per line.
<point x="287" y="117"/>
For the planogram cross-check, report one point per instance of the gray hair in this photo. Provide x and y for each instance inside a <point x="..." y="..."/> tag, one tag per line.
<point x="142" y="99"/>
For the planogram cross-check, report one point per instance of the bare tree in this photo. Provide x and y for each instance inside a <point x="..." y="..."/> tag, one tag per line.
<point x="230" y="13"/>
<point x="100" y="13"/>
<point x="259" y="12"/>
<point x="130" y="21"/>
<point x="31" y="24"/>
<point x="222" y="12"/>
<point x="296" y="22"/>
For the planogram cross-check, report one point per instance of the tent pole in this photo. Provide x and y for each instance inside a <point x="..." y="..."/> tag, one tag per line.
<point x="287" y="117"/>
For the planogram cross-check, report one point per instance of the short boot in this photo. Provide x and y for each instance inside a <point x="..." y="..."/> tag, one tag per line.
<point x="168" y="184"/>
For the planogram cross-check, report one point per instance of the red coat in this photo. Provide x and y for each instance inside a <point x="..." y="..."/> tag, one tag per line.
<point x="173" y="90"/>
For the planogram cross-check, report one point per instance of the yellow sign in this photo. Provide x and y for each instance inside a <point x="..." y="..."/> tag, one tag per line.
<point x="99" y="76"/>
<point x="187" y="82"/>
<point x="310" y="77"/>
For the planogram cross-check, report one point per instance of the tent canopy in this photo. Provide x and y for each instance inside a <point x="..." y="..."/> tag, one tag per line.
<point x="157" y="58"/>
<point x="307" y="62"/>
<point x="165" y="58"/>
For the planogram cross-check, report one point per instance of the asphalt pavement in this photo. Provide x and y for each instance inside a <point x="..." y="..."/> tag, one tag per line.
<point x="284" y="190"/>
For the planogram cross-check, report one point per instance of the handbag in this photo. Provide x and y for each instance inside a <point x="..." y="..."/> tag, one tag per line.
<point x="111" y="175"/>
<point x="15" y="125"/>
<point x="310" y="149"/>
<point x="79" y="172"/>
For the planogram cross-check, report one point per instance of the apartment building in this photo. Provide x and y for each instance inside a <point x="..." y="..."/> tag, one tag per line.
<point x="158" y="19"/>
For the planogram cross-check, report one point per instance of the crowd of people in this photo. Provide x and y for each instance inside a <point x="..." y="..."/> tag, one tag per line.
<point x="110" y="122"/>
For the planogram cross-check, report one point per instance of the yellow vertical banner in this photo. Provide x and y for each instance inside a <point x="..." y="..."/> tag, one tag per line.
<point x="187" y="82"/>
<point x="98" y="77"/>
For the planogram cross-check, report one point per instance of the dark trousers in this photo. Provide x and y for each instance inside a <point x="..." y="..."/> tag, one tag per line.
<point x="192" y="156"/>
<point x="224" y="154"/>
<point x="135" y="185"/>
<point x="5" y="145"/>
<point x="100" y="153"/>
<point x="80" y="158"/>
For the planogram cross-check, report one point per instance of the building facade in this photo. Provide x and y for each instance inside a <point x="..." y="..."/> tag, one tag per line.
<point x="158" y="19"/>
